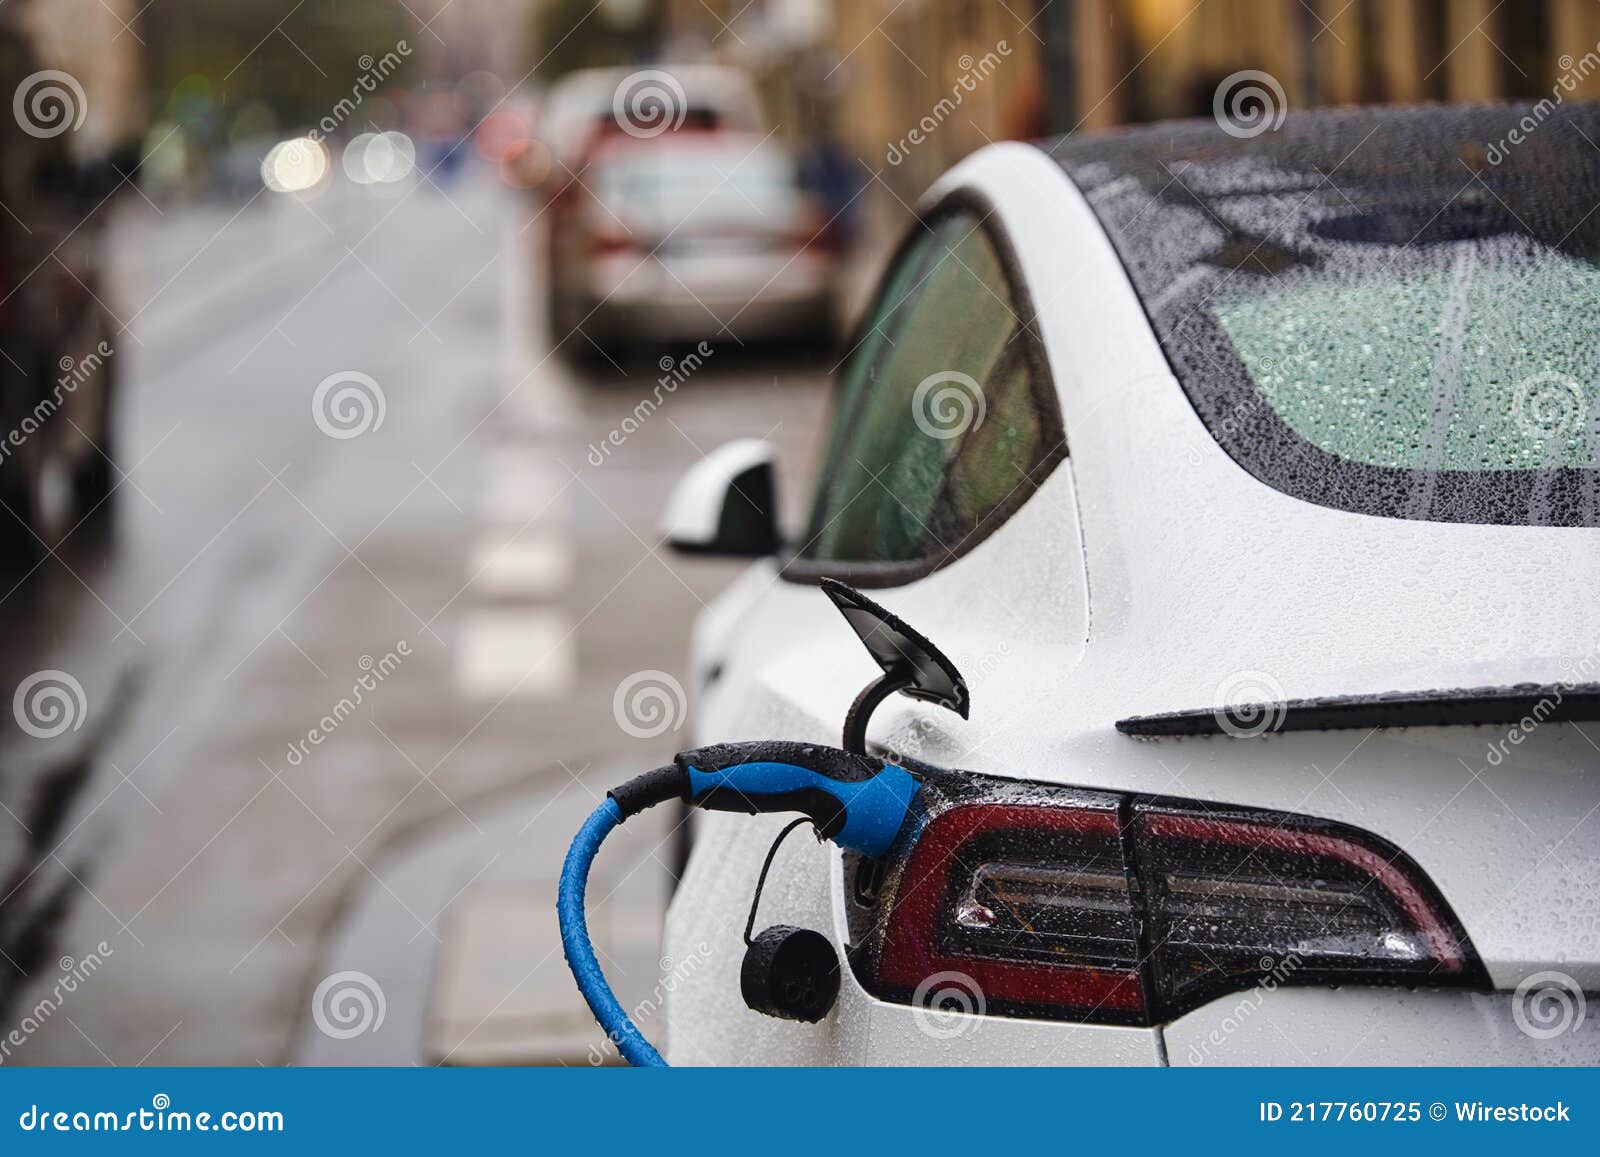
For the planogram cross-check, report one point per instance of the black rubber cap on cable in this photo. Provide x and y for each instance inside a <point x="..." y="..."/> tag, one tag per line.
<point x="651" y="788"/>
<point x="790" y="973"/>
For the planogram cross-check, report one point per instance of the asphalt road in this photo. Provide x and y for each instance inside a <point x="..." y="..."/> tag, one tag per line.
<point x="337" y="619"/>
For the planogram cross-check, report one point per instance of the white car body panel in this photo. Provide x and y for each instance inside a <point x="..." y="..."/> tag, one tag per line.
<point x="1113" y="592"/>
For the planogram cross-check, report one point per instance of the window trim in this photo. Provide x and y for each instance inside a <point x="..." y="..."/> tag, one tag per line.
<point x="792" y="568"/>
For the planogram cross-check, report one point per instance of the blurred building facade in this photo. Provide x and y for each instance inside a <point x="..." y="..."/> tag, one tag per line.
<point x="97" y="42"/>
<point x="870" y="71"/>
<point x="460" y="37"/>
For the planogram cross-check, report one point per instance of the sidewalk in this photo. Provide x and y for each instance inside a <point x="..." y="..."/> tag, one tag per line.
<point x="460" y="939"/>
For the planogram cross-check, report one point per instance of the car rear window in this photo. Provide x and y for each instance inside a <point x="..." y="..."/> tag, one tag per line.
<point x="1390" y="312"/>
<point x="1448" y="367"/>
<point x="744" y="183"/>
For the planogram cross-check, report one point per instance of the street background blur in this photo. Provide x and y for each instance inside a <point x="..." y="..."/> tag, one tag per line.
<point x="353" y="346"/>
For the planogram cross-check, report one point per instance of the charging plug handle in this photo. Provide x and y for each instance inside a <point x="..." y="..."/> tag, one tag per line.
<point x="857" y="801"/>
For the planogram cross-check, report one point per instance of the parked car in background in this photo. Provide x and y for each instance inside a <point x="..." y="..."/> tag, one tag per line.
<point x="586" y="106"/>
<point x="1254" y="487"/>
<point x="57" y="339"/>
<point x="690" y="236"/>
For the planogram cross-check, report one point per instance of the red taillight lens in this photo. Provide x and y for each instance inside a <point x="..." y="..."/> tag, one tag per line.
<point x="1324" y="902"/>
<point x="1031" y="902"/>
<point x="1097" y="907"/>
<point x="613" y="247"/>
<point x="817" y="234"/>
<point x="612" y="241"/>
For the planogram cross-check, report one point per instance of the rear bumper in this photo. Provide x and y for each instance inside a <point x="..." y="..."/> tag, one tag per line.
<point x="1305" y="1027"/>
<point x="752" y="296"/>
<point x="708" y="1023"/>
<point x="1351" y="1026"/>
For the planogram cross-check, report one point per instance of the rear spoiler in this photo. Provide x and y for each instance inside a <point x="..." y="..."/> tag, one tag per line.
<point x="1502" y="706"/>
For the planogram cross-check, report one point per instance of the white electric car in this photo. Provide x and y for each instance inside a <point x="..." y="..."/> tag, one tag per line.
<point x="1251" y="485"/>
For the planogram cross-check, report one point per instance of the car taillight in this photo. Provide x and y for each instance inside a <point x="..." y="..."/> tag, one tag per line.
<point x="1093" y="906"/>
<point x="1032" y="902"/>
<point x="612" y="241"/>
<point x="817" y="234"/>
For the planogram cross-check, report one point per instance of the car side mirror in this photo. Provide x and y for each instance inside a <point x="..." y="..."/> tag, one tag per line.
<point x="726" y="504"/>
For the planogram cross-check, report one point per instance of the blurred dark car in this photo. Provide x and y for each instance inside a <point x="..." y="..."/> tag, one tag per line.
<point x="57" y="339"/>
<point x="692" y="235"/>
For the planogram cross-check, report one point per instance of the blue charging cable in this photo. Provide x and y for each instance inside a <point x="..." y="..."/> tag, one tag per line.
<point x="859" y="802"/>
<point x="579" y="950"/>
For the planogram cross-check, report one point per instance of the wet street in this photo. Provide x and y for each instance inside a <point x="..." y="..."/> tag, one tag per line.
<point x="333" y="657"/>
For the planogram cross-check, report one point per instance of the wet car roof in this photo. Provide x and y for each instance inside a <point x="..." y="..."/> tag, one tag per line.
<point x="1390" y="311"/>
